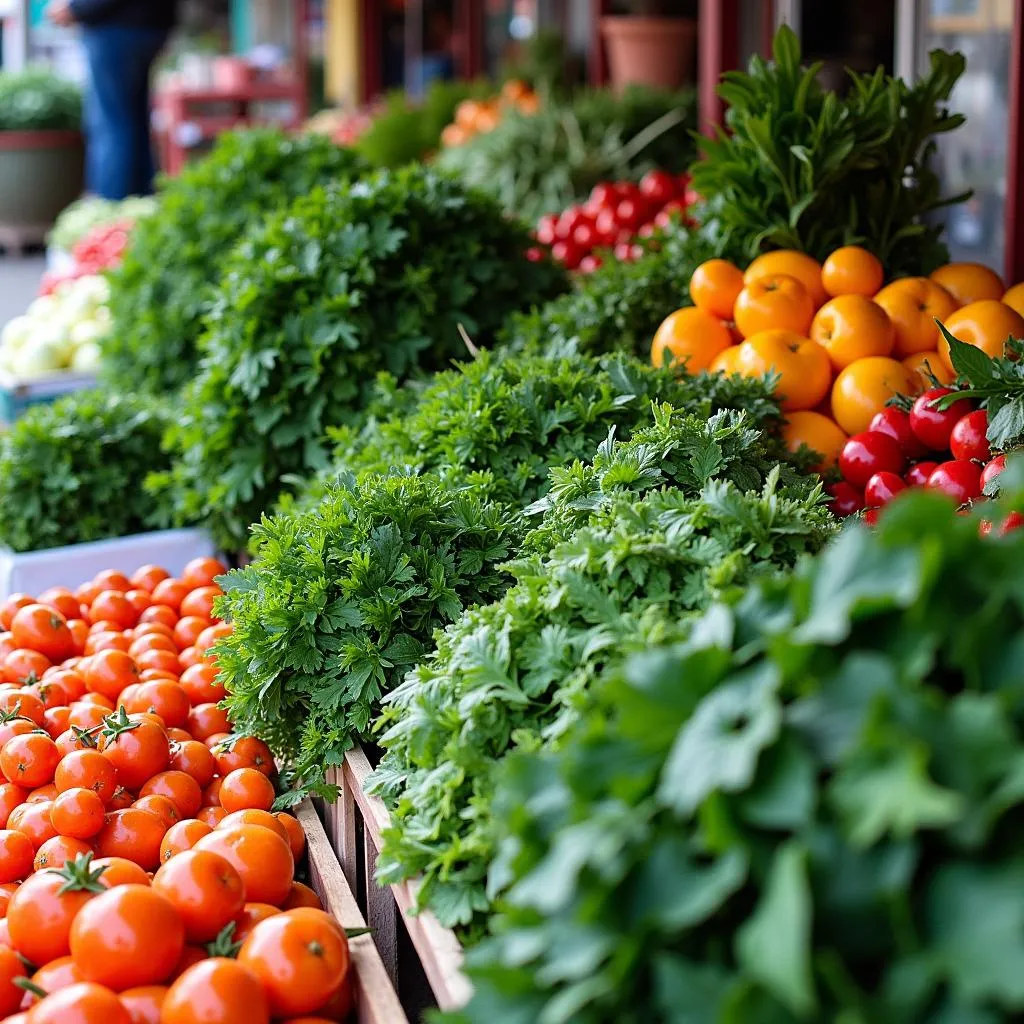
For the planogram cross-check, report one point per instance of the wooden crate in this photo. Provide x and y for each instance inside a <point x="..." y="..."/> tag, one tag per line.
<point x="376" y="999"/>
<point x="354" y="826"/>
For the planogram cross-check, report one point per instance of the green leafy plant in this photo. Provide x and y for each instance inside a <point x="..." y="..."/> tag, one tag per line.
<point x="71" y="472"/>
<point x="801" y="168"/>
<point x="516" y="673"/>
<point x="339" y="600"/>
<point x="620" y="305"/>
<point x="167" y="279"/>
<point x="500" y="423"/>
<point x="544" y="162"/>
<point x="343" y="284"/>
<point x="38" y="100"/>
<point x="807" y="811"/>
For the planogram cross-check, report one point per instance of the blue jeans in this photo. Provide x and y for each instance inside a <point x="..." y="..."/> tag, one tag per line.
<point x="119" y="159"/>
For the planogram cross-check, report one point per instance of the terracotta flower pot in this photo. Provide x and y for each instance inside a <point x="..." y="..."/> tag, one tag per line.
<point x="41" y="172"/>
<point x="656" y="52"/>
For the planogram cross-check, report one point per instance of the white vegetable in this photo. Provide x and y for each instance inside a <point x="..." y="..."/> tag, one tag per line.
<point x="87" y="332"/>
<point x="42" y="308"/>
<point x="38" y="359"/>
<point x="17" y="332"/>
<point x="86" y="358"/>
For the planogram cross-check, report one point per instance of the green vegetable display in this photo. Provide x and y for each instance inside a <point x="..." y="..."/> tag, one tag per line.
<point x="70" y="472"/>
<point x="175" y="258"/>
<point x="343" y="284"/>
<point x="801" y="168"/>
<point x="543" y="162"/>
<point x="808" y="811"/>
<point x="339" y="600"/>
<point x="38" y="100"/>
<point x="515" y="674"/>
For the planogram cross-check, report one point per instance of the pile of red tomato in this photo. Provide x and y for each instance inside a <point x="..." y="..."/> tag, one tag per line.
<point x="144" y="877"/>
<point x="613" y="218"/>
<point x="940" y="443"/>
<point x="101" y="249"/>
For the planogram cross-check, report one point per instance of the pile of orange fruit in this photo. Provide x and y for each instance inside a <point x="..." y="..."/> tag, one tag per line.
<point x="477" y="117"/>
<point x="841" y="342"/>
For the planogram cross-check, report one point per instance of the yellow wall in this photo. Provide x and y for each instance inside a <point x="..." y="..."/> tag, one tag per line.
<point x="341" y="52"/>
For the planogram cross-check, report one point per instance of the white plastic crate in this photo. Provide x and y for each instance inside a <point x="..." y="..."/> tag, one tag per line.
<point x="32" y="572"/>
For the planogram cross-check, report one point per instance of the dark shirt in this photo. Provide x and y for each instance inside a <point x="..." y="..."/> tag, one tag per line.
<point x="155" y="14"/>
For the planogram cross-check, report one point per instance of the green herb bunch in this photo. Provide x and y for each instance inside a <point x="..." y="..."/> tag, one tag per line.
<point x="808" y="811"/>
<point x="543" y="162"/>
<point x="619" y="307"/>
<point x="500" y="423"/>
<point x="165" y="284"/>
<point x="802" y="168"/>
<point x="72" y="471"/>
<point x="343" y="284"/>
<point x="38" y="100"/>
<point x="514" y="674"/>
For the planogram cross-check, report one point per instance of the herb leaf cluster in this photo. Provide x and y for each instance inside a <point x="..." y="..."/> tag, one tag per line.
<point x="809" y="810"/>
<point x="175" y="258"/>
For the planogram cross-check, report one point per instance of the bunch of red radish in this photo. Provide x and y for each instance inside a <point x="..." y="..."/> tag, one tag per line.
<point x="613" y="218"/>
<point x="941" y="443"/>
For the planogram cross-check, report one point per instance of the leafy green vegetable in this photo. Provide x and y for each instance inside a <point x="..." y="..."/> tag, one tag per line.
<point x="71" y="472"/>
<point x="343" y="284"/>
<point x="340" y="600"/>
<point x="501" y="423"/>
<point x="619" y="306"/>
<point x="515" y="674"/>
<point x="807" y="810"/>
<point x="38" y="100"/>
<point x="802" y="168"/>
<point x="543" y="162"/>
<point x="166" y="282"/>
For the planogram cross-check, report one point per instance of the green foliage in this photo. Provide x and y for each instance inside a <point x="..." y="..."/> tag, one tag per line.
<point x="341" y="599"/>
<point x="405" y="131"/>
<point x="801" y="168"/>
<point x="808" y="811"/>
<point x="544" y="162"/>
<point x="175" y="258"/>
<point x="516" y="673"/>
<point x="343" y="284"/>
<point x="38" y="100"/>
<point x="500" y="424"/>
<point x="619" y="306"/>
<point x="71" y="472"/>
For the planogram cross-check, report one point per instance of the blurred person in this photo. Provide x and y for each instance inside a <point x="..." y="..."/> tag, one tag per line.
<point x="122" y="39"/>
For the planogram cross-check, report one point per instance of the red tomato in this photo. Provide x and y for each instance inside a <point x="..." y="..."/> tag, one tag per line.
<point x="659" y="187"/>
<point x="918" y="474"/>
<point x="992" y="470"/>
<point x="603" y="194"/>
<point x="896" y="423"/>
<point x="969" y="439"/>
<point x="546" y="229"/>
<point x="960" y="479"/>
<point x="846" y="499"/>
<point x="869" y="453"/>
<point x="932" y="426"/>
<point x="589" y="264"/>
<point x="882" y="488"/>
<point x="567" y="253"/>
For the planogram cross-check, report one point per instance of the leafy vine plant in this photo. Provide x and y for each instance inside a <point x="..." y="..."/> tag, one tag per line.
<point x="803" y="168"/>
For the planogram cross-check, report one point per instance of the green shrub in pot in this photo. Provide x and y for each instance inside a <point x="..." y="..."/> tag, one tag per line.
<point x="37" y="100"/>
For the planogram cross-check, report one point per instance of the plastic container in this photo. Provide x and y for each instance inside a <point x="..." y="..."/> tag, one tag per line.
<point x="32" y="572"/>
<point x="16" y="395"/>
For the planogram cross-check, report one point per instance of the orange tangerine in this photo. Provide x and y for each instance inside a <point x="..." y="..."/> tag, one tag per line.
<point x="864" y="388"/>
<point x="818" y="432"/>
<point x="852" y="327"/>
<point x="1014" y="298"/>
<point x="925" y="365"/>
<point x="715" y="286"/>
<point x="801" y="365"/>
<point x="913" y="305"/>
<point x="773" y="302"/>
<point x="851" y="270"/>
<point x="985" y="325"/>
<point x="690" y="337"/>
<point x="725" y="361"/>
<point x="969" y="282"/>
<point x="806" y="269"/>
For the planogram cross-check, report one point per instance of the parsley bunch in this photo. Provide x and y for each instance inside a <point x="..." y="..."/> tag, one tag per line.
<point x="501" y="423"/>
<point x="516" y="673"/>
<point x="175" y="258"/>
<point x="72" y="472"/>
<point x="343" y="284"/>
<point x="808" y="811"/>
<point x="341" y="599"/>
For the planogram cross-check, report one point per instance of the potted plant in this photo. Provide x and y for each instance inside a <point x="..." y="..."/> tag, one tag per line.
<point x="651" y="42"/>
<point x="41" y="150"/>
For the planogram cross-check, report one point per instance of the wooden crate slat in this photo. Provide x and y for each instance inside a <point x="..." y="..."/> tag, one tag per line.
<point x="376" y="1000"/>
